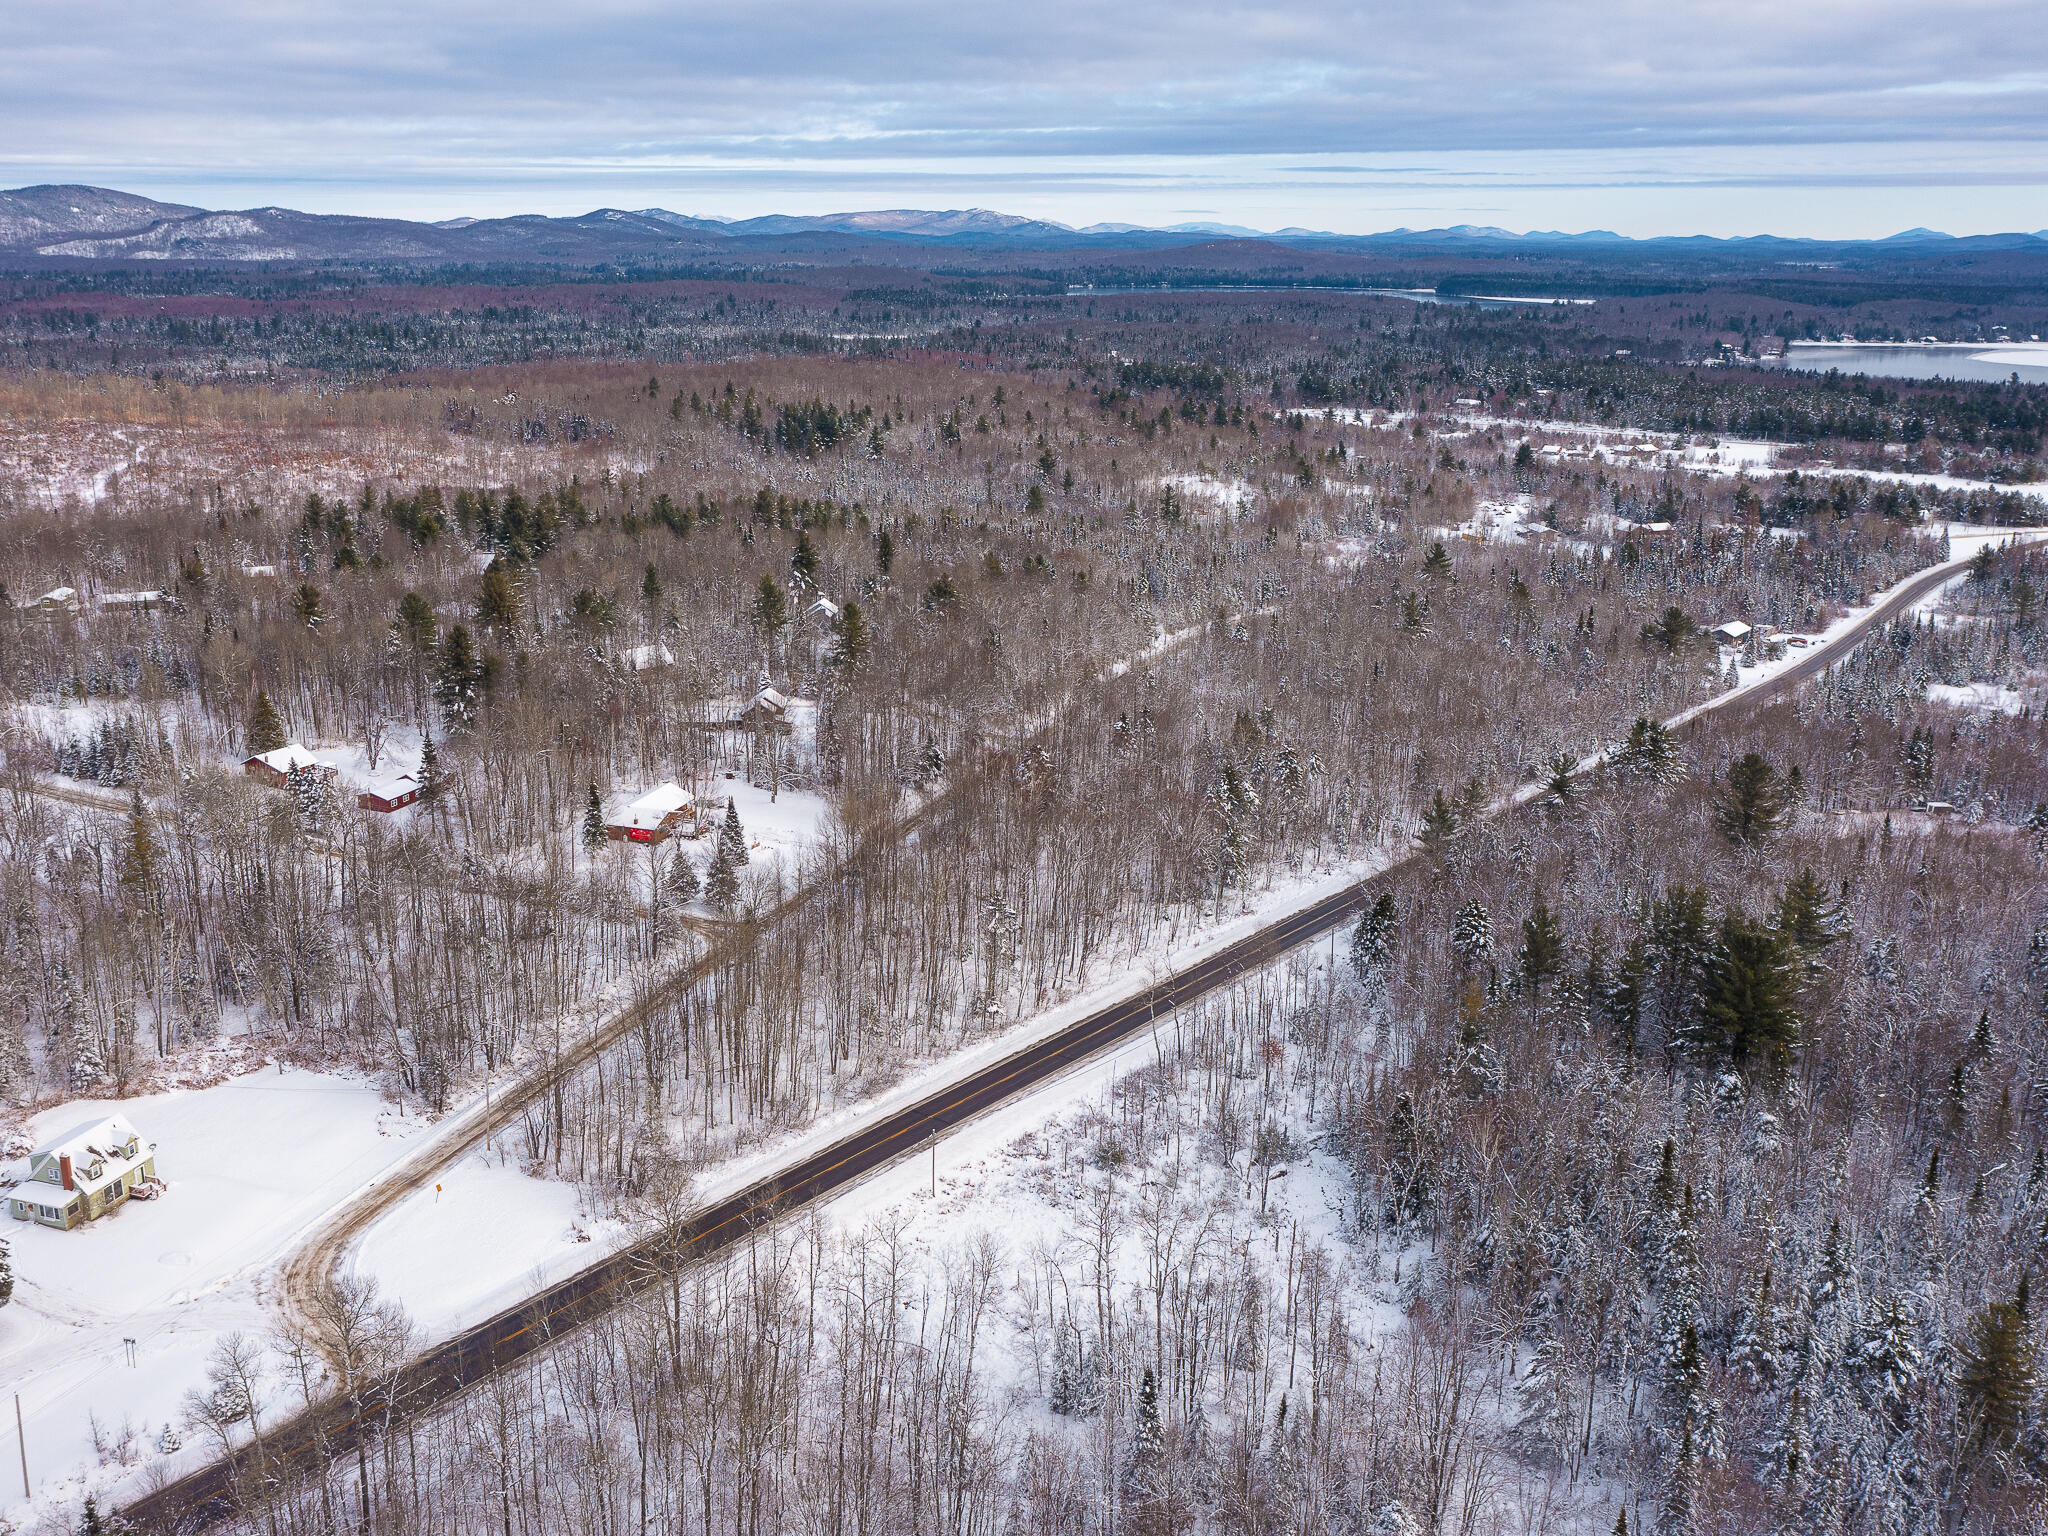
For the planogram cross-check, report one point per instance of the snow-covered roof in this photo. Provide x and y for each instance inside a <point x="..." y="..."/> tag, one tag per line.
<point x="259" y="570"/>
<point x="284" y="759"/>
<point x="59" y="597"/>
<point x="823" y="607"/>
<point x="655" y="807"/>
<point x="642" y="657"/>
<point x="100" y="1143"/>
<point x="392" y="788"/>
<point x="129" y="599"/>
<point x="1734" y="629"/>
<point x="773" y="700"/>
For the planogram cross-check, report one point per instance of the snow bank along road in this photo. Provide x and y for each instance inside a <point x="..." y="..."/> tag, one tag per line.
<point x="206" y="1496"/>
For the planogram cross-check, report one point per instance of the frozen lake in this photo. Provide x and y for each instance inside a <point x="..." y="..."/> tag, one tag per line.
<point x="1990" y="362"/>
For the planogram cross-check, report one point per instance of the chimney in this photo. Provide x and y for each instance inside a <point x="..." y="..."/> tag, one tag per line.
<point x="64" y="1167"/>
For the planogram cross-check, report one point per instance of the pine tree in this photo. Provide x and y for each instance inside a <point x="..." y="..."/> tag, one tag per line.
<point x="430" y="768"/>
<point x="1472" y="933"/>
<point x="1440" y="825"/>
<point x="851" y="638"/>
<point x="6" y="1272"/>
<point x="458" y="677"/>
<point x="803" y="561"/>
<point x="1147" y="1438"/>
<point x="1748" y="996"/>
<point x="1372" y="942"/>
<point x="1234" y="803"/>
<point x="1436" y="562"/>
<point x="1542" y="953"/>
<point x="593" y="820"/>
<point x="266" y="730"/>
<point x="1751" y="807"/>
<point x="650" y="584"/>
<point x="771" y="609"/>
<point x="140" y="864"/>
<point x="1996" y="1378"/>
<point x="497" y="605"/>
<point x="1807" y="918"/>
<point x="723" y="887"/>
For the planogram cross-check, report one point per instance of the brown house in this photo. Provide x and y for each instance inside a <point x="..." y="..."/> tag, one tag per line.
<point x="275" y="766"/>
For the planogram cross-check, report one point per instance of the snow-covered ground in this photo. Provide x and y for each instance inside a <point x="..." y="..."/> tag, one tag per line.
<point x="482" y="1237"/>
<point x="1207" y="493"/>
<point x="251" y="1163"/>
<point x="1990" y="698"/>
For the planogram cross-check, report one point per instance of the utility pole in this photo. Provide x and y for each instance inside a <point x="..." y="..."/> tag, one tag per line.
<point x="21" y="1435"/>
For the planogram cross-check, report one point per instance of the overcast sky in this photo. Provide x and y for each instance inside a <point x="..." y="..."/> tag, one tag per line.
<point x="1644" y="116"/>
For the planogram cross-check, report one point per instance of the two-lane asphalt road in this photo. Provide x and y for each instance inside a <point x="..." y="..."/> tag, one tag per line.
<point x="207" y="1496"/>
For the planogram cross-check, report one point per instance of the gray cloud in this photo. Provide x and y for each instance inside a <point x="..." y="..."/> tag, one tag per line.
<point x="454" y="99"/>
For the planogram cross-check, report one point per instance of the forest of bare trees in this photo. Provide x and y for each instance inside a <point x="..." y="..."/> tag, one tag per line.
<point x="1665" y="1148"/>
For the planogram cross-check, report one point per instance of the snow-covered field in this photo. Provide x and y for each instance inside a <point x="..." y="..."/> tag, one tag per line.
<point x="251" y="1163"/>
<point x="475" y="1242"/>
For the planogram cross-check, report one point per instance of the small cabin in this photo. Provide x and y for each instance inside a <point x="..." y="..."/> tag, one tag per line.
<point x="654" y="817"/>
<point x="1734" y="632"/>
<point x="393" y="794"/>
<point x="131" y="602"/>
<point x="57" y="600"/>
<point x="84" y="1173"/>
<point x="275" y="766"/>
<point x="769" y="710"/>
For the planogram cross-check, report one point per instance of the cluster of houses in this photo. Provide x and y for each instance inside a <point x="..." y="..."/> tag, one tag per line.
<point x="67" y="600"/>
<point x="85" y="1173"/>
<point x="1771" y="641"/>
<point x="275" y="768"/>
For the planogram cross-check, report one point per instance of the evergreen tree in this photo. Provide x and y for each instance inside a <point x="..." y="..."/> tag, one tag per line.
<point x="1436" y="562"/>
<point x="1996" y="1375"/>
<point x="650" y="584"/>
<point x="266" y="730"/>
<point x="851" y="638"/>
<point x="1472" y="933"/>
<point x="1372" y="942"/>
<point x="430" y="768"/>
<point x="1748" y="996"/>
<point x="140" y="863"/>
<point x="885" y="552"/>
<point x="6" y="1272"/>
<point x="803" y="561"/>
<point x="1234" y="803"/>
<point x="309" y="606"/>
<point x="497" y="606"/>
<point x="1806" y="917"/>
<point x="1147" y="1437"/>
<point x="593" y="820"/>
<point x="1751" y="806"/>
<point x="1542" y="953"/>
<point x="416" y="625"/>
<point x="722" y="888"/>
<point x="771" y="609"/>
<point x="1439" y="825"/>
<point x="1407" y="1181"/>
<point x="458" y="678"/>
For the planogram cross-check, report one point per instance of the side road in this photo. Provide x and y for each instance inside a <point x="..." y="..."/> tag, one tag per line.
<point x="809" y="1173"/>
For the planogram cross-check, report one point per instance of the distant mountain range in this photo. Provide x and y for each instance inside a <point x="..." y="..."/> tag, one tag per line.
<point x="71" y="223"/>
